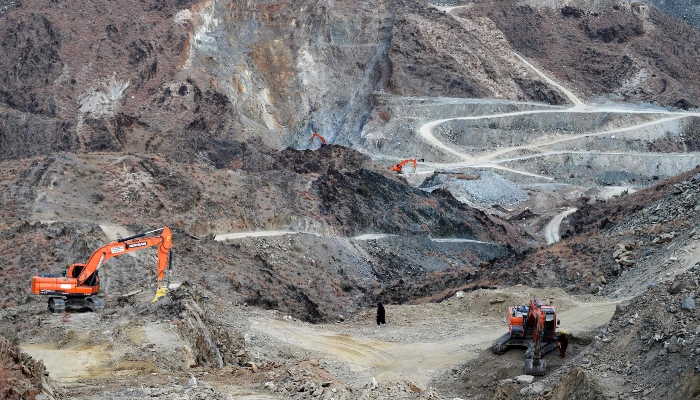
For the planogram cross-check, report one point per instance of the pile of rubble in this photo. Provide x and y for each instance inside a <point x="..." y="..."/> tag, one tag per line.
<point x="303" y="384"/>
<point x="683" y="204"/>
<point x="650" y="348"/>
<point x="623" y="253"/>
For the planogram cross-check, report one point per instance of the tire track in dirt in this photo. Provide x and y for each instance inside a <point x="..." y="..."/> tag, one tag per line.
<point x="418" y="360"/>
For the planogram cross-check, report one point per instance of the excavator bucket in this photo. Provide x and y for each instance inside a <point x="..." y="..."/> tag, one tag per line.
<point x="535" y="367"/>
<point x="161" y="292"/>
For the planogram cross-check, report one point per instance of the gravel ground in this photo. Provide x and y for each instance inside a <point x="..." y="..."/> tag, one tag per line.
<point x="489" y="188"/>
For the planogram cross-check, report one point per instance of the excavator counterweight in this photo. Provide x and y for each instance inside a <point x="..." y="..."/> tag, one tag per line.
<point x="78" y="286"/>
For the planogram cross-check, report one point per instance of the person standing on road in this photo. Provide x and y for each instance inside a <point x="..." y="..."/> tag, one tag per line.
<point x="381" y="315"/>
<point x="563" y="343"/>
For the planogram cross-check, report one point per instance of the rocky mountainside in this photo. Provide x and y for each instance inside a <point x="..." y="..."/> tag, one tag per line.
<point x="618" y="246"/>
<point x="687" y="10"/>
<point x="631" y="51"/>
<point x="121" y="117"/>
<point x="96" y="79"/>
<point x="329" y="196"/>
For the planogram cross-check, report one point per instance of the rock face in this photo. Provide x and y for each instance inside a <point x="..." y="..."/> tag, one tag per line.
<point x="22" y="377"/>
<point x="577" y="385"/>
<point x="170" y="78"/>
<point x="580" y="43"/>
<point x="687" y="10"/>
<point x="295" y="67"/>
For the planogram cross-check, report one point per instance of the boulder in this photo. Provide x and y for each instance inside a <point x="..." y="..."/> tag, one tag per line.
<point x="675" y="288"/>
<point x="626" y="262"/>
<point x="192" y="383"/>
<point x="525" y="378"/>
<point x="617" y="253"/>
<point x="688" y="304"/>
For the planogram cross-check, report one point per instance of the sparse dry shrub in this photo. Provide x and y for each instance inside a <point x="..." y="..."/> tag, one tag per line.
<point x="384" y="116"/>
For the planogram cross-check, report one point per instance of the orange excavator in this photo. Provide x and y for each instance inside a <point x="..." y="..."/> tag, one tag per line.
<point x="77" y="287"/>
<point x="316" y="135"/>
<point x="399" y="167"/>
<point x="534" y="328"/>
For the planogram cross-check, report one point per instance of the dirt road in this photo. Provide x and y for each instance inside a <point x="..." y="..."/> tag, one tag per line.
<point x="536" y="148"/>
<point x="420" y="341"/>
<point x="551" y="231"/>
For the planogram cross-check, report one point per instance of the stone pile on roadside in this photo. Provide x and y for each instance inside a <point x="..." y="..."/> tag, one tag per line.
<point x="623" y="253"/>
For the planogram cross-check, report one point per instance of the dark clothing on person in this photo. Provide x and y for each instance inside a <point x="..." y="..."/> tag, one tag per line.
<point x="381" y="314"/>
<point x="563" y="344"/>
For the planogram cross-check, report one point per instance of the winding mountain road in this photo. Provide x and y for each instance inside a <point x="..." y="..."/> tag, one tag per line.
<point x="551" y="231"/>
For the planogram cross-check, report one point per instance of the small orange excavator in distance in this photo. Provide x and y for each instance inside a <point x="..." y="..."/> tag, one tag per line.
<point x="77" y="287"/>
<point x="399" y="167"/>
<point x="316" y="135"/>
<point x="529" y="327"/>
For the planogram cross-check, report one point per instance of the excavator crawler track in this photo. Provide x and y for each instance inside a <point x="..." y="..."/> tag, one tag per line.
<point x="57" y="305"/>
<point x="497" y="346"/>
<point x="95" y="303"/>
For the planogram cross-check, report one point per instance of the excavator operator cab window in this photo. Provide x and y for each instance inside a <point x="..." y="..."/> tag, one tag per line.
<point x="549" y="325"/>
<point x="76" y="271"/>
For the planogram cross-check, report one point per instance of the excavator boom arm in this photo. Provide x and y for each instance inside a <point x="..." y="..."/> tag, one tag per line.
<point x="128" y="245"/>
<point x="398" y="167"/>
<point x="321" y="138"/>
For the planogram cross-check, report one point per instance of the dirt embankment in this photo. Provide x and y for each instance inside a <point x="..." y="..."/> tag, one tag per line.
<point x="22" y="377"/>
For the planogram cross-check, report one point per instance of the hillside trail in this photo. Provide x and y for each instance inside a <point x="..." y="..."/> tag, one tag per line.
<point x="420" y="341"/>
<point x="551" y="230"/>
<point x="487" y="159"/>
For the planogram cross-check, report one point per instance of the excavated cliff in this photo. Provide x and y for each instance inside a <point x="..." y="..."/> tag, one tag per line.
<point x="95" y="78"/>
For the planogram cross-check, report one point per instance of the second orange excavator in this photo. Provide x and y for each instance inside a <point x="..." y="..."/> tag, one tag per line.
<point x="533" y="327"/>
<point x="399" y="167"/>
<point x="321" y="138"/>
<point x="78" y="286"/>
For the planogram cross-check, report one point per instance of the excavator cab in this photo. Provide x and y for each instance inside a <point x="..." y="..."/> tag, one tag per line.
<point x="550" y="326"/>
<point x="75" y="270"/>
